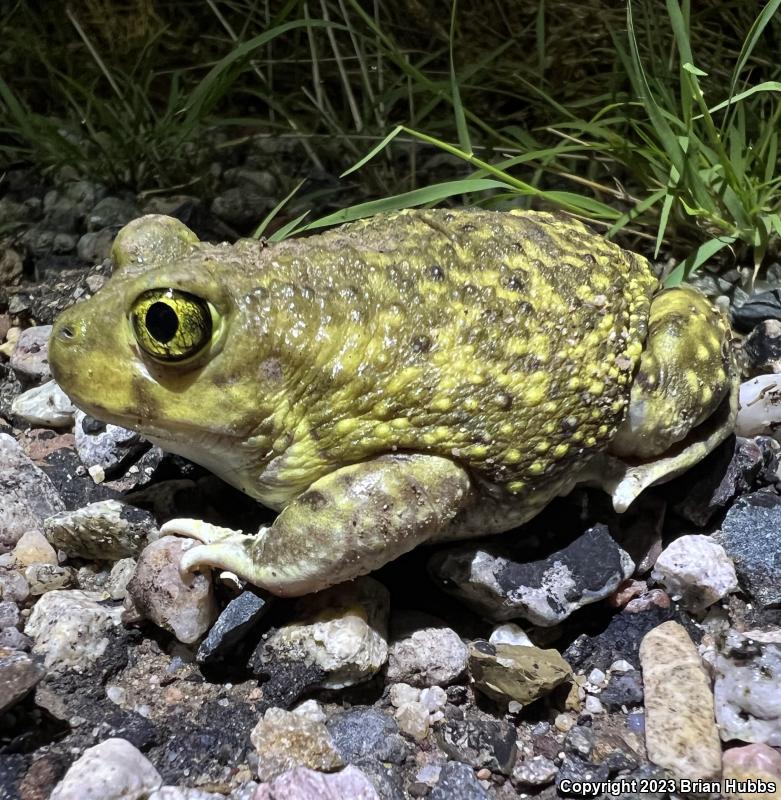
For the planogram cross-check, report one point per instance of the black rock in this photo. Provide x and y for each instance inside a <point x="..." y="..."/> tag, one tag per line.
<point x="624" y="689"/>
<point x="578" y="769"/>
<point x="458" y="782"/>
<point x="544" y="592"/>
<point x="579" y="741"/>
<point x="766" y="305"/>
<point x="750" y="536"/>
<point x="285" y="681"/>
<point x="730" y="470"/>
<point x="480" y="743"/>
<point x="762" y="348"/>
<point x="620" y="640"/>
<point x="235" y="624"/>
<point x="362" y="732"/>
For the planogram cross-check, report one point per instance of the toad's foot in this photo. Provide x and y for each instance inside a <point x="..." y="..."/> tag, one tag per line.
<point x="348" y="523"/>
<point x="223" y="548"/>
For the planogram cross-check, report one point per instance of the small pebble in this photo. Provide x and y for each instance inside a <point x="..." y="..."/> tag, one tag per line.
<point x="402" y="693"/>
<point x="413" y="719"/>
<point x="593" y="705"/>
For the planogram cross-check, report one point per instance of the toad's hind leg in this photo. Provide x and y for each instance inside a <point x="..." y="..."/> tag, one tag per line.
<point x="346" y="524"/>
<point x="684" y="396"/>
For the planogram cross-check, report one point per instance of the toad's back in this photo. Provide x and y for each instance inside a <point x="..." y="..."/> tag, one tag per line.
<point x="506" y="341"/>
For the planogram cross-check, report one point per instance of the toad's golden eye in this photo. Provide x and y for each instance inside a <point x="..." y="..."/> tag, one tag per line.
<point x="171" y="325"/>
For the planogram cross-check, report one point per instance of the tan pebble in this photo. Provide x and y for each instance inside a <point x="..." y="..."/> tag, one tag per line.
<point x="680" y="728"/>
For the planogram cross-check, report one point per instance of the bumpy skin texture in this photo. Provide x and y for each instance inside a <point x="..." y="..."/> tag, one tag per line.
<point x="503" y="343"/>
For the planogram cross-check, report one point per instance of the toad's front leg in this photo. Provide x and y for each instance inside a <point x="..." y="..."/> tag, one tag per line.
<point x="346" y="524"/>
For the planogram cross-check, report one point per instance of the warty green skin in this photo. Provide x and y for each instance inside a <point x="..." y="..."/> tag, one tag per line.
<point x="420" y="375"/>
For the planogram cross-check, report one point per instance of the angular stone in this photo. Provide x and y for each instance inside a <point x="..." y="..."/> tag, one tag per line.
<point x="306" y="784"/>
<point x="46" y="405"/>
<point x="544" y="592"/>
<point x="19" y="673"/>
<point x="237" y="621"/>
<point x="361" y="733"/>
<point x="412" y="719"/>
<point x="621" y="639"/>
<point x="104" y="531"/>
<point x="749" y="535"/>
<point x="748" y="690"/>
<point x="28" y="494"/>
<point x="32" y="548"/>
<point x="110" y="447"/>
<point x="43" y="578"/>
<point x="284" y="740"/>
<point x="733" y="469"/>
<point x="70" y="628"/>
<point x="507" y="672"/>
<point x="340" y="638"/>
<point x="458" y="782"/>
<point x="680" y="729"/>
<point x="479" y="743"/>
<point x="111" y="770"/>
<point x="697" y="569"/>
<point x="181" y="604"/>
<point x="625" y="689"/>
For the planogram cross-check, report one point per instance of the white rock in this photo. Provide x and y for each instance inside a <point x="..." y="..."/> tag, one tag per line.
<point x="697" y="569"/>
<point x="111" y="770"/>
<point x="412" y="719"/>
<point x="341" y="630"/>
<point x="429" y="656"/>
<point x="596" y="677"/>
<point x="46" y="405"/>
<point x="312" y="710"/>
<point x="434" y="698"/>
<point x="759" y="409"/>
<point x="32" y="548"/>
<point x="748" y="691"/>
<point x="621" y="666"/>
<point x="593" y="704"/>
<point x="70" y="628"/>
<point x="402" y="693"/>
<point x="510" y="633"/>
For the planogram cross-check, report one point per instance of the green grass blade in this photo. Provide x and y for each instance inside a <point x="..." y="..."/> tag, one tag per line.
<point x="698" y="258"/>
<point x="765" y="86"/>
<point x="374" y="151"/>
<point x="417" y="197"/>
<point x="458" y="109"/>
<point x="210" y="87"/>
<point x="664" y="216"/>
<point x="285" y="230"/>
<point x="749" y="43"/>
<point x="274" y="211"/>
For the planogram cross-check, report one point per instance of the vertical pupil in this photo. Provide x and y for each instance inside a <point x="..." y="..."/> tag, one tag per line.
<point x="161" y="322"/>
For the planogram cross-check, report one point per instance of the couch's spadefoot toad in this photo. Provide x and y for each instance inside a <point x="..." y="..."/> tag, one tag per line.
<point x="418" y="376"/>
